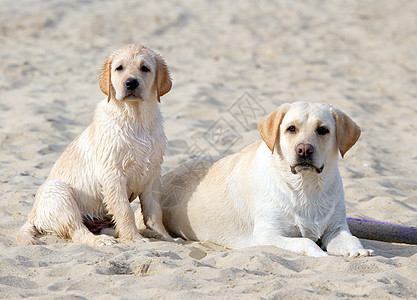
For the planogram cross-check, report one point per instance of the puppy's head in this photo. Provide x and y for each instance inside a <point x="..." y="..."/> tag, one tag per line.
<point x="135" y="73"/>
<point x="307" y="136"/>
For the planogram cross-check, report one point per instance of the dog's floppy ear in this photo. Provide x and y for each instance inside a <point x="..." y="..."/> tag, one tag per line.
<point x="269" y="127"/>
<point x="162" y="78"/>
<point x="105" y="78"/>
<point x="347" y="131"/>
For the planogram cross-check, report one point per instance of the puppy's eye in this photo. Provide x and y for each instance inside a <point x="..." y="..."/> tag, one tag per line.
<point x="322" y="130"/>
<point x="119" y="68"/>
<point x="145" y="69"/>
<point x="291" y="129"/>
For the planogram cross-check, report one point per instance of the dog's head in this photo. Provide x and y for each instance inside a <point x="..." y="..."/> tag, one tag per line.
<point x="308" y="136"/>
<point x="134" y="73"/>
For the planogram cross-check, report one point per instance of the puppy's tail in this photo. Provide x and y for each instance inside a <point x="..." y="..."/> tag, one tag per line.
<point x="27" y="234"/>
<point x="382" y="231"/>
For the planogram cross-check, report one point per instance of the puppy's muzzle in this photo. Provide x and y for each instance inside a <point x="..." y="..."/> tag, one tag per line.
<point x="132" y="89"/>
<point x="131" y="84"/>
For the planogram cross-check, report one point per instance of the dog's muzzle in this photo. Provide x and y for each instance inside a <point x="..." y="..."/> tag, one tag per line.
<point x="305" y="153"/>
<point x="306" y="167"/>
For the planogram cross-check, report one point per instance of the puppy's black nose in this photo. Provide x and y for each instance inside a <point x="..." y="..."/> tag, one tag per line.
<point x="131" y="84"/>
<point x="304" y="150"/>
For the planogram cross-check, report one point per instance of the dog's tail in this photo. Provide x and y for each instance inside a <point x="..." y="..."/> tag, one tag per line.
<point x="27" y="234"/>
<point x="382" y="231"/>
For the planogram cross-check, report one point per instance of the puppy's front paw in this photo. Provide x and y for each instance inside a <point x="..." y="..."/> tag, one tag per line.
<point x="359" y="252"/>
<point x="133" y="238"/>
<point x="105" y="240"/>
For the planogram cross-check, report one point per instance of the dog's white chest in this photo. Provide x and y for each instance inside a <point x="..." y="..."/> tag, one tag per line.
<point x="312" y="215"/>
<point x="312" y="229"/>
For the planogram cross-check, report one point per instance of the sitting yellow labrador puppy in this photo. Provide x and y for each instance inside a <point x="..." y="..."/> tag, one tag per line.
<point x="285" y="190"/>
<point x="117" y="158"/>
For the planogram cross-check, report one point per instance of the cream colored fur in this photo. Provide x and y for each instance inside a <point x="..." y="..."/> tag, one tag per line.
<point x="117" y="158"/>
<point x="264" y="195"/>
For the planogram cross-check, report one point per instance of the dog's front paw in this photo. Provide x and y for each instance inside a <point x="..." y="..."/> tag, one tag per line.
<point x="311" y="249"/>
<point x="359" y="252"/>
<point x="315" y="253"/>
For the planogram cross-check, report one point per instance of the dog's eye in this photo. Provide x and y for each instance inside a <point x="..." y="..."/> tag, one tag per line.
<point x="119" y="68"/>
<point x="291" y="129"/>
<point x="145" y="69"/>
<point x="322" y="130"/>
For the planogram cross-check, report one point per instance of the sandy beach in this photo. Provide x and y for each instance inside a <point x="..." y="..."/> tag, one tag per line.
<point x="231" y="62"/>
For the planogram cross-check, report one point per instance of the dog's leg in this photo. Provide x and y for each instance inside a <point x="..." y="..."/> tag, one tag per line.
<point x="337" y="238"/>
<point x="118" y="205"/>
<point x="151" y="211"/>
<point x="56" y="211"/>
<point x="265" y="233"/>
<point x="342" y="242"/>
<point x="302" y="246"/>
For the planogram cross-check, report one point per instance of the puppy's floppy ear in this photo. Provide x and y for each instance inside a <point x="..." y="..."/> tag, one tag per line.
<point x="347" y="131"/>
<point x="162" y="78"/>
<point x="105" y="78"/>
<point x="269" y="127"/>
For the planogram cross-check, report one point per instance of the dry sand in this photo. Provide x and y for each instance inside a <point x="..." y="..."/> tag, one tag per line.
<point x="224" y="56"/>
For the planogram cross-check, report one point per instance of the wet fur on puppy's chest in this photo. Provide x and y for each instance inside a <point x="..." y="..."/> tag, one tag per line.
<point x="143" y="157"/>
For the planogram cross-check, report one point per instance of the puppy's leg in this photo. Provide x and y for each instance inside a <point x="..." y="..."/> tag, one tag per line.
<point x="342" y="242"/>
<point x="118" y="205"/>
<point x="56" y="211"/>
<point x="27" y="234"/>
<point x="151" y="211"/>
<point x="140" y="222"/>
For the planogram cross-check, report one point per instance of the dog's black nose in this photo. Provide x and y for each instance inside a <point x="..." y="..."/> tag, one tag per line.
<point x="131" y="84"/>
<point x="304" y="150"/>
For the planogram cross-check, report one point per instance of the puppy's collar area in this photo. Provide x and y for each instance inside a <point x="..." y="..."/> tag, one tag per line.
<point x="305" y="166"/>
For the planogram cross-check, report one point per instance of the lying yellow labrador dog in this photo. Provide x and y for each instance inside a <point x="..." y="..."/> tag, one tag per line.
<point x="285" y="190"/>
<point x="117" y="158"/>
